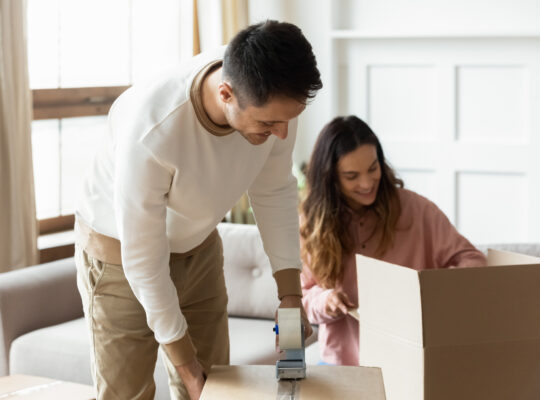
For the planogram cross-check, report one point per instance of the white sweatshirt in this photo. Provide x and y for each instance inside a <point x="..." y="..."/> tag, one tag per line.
<point x="162" y="182"/>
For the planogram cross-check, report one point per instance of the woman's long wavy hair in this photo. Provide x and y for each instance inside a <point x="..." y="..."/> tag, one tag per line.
<point x="324" y="227"/>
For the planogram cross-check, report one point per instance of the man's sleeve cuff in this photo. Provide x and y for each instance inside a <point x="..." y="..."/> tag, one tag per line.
<point x="181" y="351"/>
<point x="288" y="282"/>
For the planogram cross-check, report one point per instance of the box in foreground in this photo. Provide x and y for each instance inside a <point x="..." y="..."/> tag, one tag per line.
<point x="26" y="387"/>
<point x="446" y="334"/>
<point x="322" y="382"/>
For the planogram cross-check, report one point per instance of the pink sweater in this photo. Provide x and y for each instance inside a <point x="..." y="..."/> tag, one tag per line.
<point x="424" y="239"/>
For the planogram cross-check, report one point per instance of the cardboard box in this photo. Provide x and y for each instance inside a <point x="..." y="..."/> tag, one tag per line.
<point x="26" y="387"/>
<point x="323" y="382"/>
<point x="461" y="333"/>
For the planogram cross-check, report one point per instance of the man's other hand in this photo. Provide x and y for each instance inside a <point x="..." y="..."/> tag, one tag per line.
<point x="193" y="377"/>
<point x="296" y="302"/>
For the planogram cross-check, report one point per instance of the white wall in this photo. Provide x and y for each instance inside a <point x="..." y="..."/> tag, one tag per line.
<point x="450" y="87"/>
<point x="315" y="25"/>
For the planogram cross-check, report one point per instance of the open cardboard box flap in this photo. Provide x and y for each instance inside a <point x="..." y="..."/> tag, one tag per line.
<point x="432" y="329"/>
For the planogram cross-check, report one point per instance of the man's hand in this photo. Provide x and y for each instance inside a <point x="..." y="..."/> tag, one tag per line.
<point x="193" y="377"/>
<point x="337" y="303"/>
<point x="296" y="302"/>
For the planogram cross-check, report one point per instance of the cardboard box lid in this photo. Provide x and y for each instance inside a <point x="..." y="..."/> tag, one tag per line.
<point x="397" y="310"/>
<point x="33" y="388"/>
<point x="452" y="306"/>
<point x="500" y="257"/>
<point x="259" y="382"/>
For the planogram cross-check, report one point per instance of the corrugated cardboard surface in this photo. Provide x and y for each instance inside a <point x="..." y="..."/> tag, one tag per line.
<point x="491" y="371"/>
<point x="33" y="388"/>
<point x="323" y="382"/>
<point x="480" y="329"/>
<point x="479" y="305"/>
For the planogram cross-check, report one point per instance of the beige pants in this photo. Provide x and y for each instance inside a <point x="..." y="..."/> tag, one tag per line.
<point x="124" y="351"/>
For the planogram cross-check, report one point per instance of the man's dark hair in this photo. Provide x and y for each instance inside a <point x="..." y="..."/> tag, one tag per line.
<point x="268" y="59"/>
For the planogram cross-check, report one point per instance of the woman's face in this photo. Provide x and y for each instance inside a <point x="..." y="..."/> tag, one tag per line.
<point x="359" y="175"/>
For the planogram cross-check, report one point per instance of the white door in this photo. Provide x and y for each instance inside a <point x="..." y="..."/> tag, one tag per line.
<point x="459" y="119"/>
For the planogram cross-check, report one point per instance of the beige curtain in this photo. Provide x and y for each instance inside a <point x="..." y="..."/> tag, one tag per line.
<point x="196" y="35"/>
<point x="18" y="226"/>
<point x="234" y="17"/>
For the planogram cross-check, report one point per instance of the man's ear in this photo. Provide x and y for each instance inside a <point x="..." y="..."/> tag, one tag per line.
<point x="225" y="92"/>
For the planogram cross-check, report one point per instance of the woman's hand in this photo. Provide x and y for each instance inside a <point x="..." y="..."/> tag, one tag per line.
<point x="337" y="303"/>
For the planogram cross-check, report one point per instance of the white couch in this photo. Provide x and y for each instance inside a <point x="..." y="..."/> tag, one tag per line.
<point x="42" y="331"/>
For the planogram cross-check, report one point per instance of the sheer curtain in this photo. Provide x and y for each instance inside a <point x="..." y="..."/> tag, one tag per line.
<point x="18" y="225"/>
<point x="234" y="16"/>
<point x="215" y="22"/>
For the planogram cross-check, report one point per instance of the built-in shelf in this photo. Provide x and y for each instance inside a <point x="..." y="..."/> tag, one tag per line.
<point x="359" y="34"/>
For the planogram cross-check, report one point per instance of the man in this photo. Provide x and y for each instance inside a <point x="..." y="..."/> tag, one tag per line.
<point x="179" y="154"/>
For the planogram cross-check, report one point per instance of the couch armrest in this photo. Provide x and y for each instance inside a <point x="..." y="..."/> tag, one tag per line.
<point x="36" y="297"/>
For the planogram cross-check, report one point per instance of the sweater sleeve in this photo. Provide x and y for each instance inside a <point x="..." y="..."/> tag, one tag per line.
<point x="274" y="199"/>
<point x="450" y="248"/>
<point x="314" y="298"/>
<point x="141" y="186"/>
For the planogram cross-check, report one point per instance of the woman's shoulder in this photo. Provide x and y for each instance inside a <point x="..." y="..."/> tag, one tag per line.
<point x="413" y="203"/>
<point x="412" y="199"/>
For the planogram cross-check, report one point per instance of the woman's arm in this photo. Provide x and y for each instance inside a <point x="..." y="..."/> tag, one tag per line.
<point x="322" y="305"/>
<point x="450" y="248"/>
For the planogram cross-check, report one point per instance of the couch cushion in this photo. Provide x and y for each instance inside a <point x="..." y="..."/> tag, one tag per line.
<point x="59" y="351"/>
<point x="63" y="352"/>
<point x="248" y="275"/>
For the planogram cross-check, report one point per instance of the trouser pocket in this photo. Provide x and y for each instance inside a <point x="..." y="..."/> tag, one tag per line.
<point x="89" y="271"/>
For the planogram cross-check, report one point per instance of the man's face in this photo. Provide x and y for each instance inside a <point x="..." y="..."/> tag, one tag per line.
<point x="256" y="124"/>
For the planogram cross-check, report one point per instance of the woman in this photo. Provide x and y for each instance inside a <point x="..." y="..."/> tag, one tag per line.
<point x="356" y="204"/>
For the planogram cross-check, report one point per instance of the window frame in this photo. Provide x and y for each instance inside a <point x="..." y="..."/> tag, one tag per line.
<point x="59" y="103"/>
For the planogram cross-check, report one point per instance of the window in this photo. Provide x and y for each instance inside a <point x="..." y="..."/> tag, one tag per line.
<point x="82" y="55"/>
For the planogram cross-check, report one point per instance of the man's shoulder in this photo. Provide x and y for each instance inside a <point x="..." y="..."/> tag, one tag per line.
<point x="157" y="97"/>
